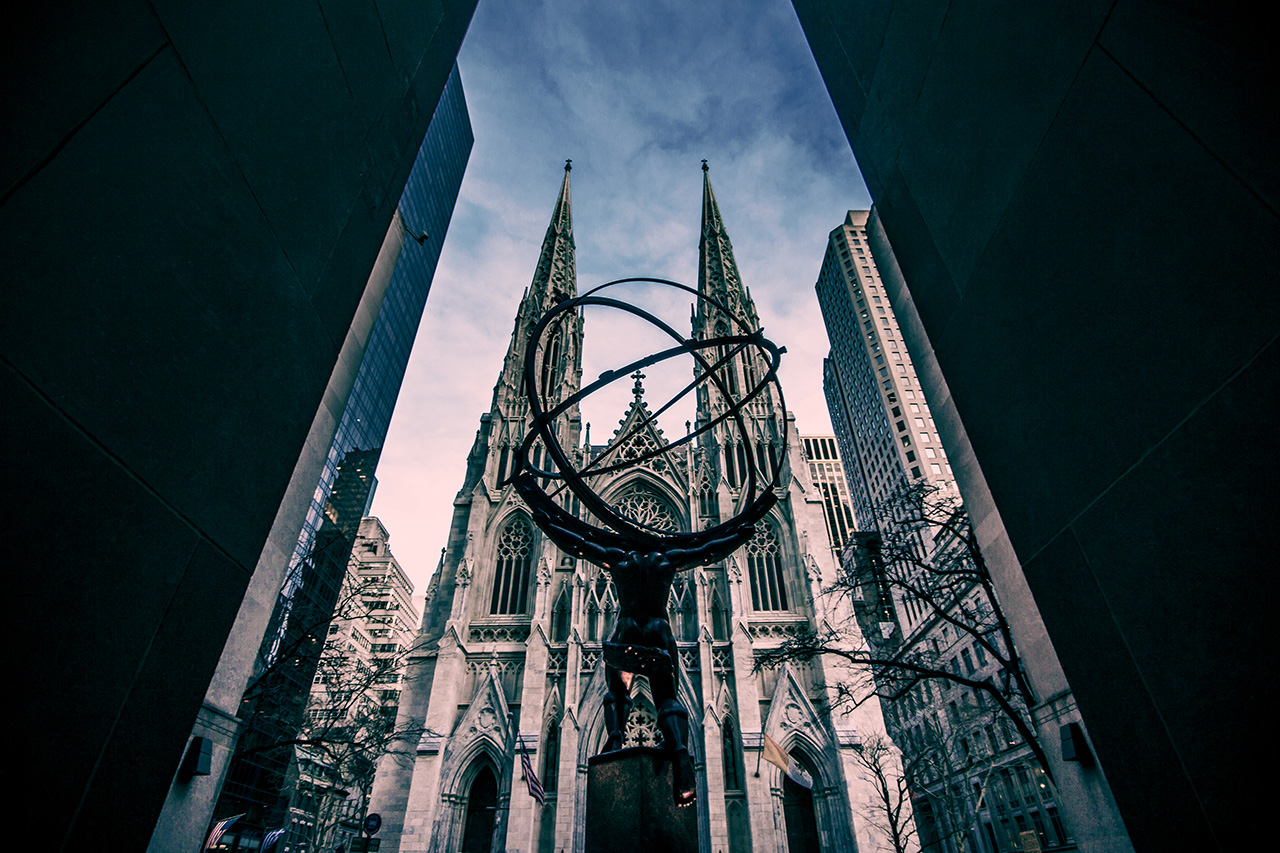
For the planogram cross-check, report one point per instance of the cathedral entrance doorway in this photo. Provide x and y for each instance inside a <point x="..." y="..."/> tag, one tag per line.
<point x="482" y="810"/>
<point x="802" y="826"/>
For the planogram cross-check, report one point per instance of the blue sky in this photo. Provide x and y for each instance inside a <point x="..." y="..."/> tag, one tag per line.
<point x="637" y="94"/>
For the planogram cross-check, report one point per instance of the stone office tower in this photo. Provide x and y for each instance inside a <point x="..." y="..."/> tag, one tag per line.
<point x="513" y="627"/>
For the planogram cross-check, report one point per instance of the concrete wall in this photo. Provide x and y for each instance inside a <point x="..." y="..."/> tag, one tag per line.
<point x="1083" y="202"/>
<point x="193" y="198"/>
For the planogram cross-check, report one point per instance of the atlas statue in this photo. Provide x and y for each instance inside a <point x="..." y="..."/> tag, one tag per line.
<point x="641" y="559"/>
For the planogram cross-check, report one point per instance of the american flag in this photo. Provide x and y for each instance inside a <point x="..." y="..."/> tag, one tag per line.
<point x="215" y="834"/>
<point x="531" y="778"/>
<point x="271" y="838"/>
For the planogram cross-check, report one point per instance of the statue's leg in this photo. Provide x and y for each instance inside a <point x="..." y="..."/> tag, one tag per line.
<point x="673" y="719"/>
<point x="617" y="704"/>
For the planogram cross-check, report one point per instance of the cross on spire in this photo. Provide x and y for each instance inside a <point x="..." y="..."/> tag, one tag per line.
<point x="638" y="390"/>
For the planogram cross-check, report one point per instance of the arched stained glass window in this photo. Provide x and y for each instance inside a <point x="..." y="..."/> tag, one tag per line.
<point x="511" y="577"/>
<point x="764" y="563"/>
<point x="642" y="506"/>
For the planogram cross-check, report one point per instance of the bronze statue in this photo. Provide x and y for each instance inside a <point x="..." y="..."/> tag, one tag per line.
<point x="642" y="560"/>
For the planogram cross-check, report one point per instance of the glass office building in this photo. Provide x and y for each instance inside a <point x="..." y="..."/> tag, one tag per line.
<point x="274" y="704"/>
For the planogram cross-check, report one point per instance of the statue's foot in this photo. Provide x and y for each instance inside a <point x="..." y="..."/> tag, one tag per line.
<point x="614" y="743"/>
<point x="684" y="785"/>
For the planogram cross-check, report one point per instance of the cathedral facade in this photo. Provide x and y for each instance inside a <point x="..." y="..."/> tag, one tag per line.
<point x="512" y="627"/>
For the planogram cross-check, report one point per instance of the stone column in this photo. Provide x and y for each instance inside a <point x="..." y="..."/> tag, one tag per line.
<point x="424" y="803"/>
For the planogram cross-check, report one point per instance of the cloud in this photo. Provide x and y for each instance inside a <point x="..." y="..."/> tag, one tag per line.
<point x="636" y="94"/>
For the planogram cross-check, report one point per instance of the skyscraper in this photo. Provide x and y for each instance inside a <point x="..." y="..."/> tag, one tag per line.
<point x="925" y="604"/>
<point x="256" y="777"/>
<point x="193" y="198"/>
<point x="512" y="627"/>
<point x="827" y="473"/>
<point x="354" y="696"/>
<point x="1029" y="170"/>
<point x="883" y="425"/>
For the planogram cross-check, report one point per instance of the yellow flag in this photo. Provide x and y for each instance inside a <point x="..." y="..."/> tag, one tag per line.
<point x="775" y="754"/>
<point x="780" y="758"/>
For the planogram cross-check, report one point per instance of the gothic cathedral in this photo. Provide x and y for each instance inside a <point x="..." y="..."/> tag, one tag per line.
<point x="510" y="640"/>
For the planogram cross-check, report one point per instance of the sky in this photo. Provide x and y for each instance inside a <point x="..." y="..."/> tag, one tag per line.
<point x="637" y="94"/>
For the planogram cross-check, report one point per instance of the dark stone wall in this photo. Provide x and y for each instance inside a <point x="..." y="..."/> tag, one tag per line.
<point x="191" y="198"/>
<point x="1083" y="200"/>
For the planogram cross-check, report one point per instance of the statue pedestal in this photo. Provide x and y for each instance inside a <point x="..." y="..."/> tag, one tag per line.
<point x="630" y="807"/>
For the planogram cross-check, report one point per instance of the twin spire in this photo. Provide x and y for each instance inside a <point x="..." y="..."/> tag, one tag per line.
<point x="556" y="273"/>
<point x="717" y="270"/>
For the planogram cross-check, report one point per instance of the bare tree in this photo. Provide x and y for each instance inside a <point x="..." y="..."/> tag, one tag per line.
<point x="939" y="772"/>
<point x="920" y="566"/>
<point x="890" y="811"/>
<point x="350" y="713"/>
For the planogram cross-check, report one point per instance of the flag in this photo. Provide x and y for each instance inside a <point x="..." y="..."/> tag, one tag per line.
<point x="215" y="834"/>
<point x="777" y="756"/>
<point x="531" y="778"/>
<point x="271" y="838"/>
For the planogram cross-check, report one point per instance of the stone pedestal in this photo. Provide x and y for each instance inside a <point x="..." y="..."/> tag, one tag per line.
<point x="630" y="808"/>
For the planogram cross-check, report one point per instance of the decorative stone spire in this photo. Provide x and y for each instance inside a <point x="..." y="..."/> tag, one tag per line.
<point x="718" y="275"/>
<point x="556" y="273"/>
<point x="554" y="279"/>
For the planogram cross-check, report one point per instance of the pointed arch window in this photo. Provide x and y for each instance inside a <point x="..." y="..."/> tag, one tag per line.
<point x="708" y="502"/>
<point x="511" y="578"/>
<point x="551" y="758"/>
<point x="682" y="612"/>
<point x="502" y="464"/>
<point x="560" y="617"/>
<point x="764" y="563"/>
<point x="550" y="361"/>
<point x="602" y="606"/>
<point x="719" y="617"/>
<point x="641" y="505"/>
<point x="729" y="749"/>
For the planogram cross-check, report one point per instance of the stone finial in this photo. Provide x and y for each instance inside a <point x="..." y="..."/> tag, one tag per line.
<point x="638" y="390"/>
<point x="705" y="167"/>
<point x="568" y="165"/>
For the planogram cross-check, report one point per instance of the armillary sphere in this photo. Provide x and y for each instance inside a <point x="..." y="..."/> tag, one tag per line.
<point x="617" y="530"/>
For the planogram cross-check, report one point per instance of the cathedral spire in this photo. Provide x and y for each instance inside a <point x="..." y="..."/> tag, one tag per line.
<point x="718" y="275"/>
<point x="560" y="365"/>
<point x="555" y="276"/>
<point x="556" y="272"/>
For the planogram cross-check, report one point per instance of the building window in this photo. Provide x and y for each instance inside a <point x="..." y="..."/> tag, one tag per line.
<point x="560" y="617"/>
<point x="551" y="761"/>
<point x="729" y="749"/>
<point x="643" y="507"/>
<point x="511" y="580"/>
<point x="764" y="561"/>
<point x="550" y="359"/>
